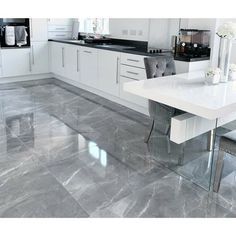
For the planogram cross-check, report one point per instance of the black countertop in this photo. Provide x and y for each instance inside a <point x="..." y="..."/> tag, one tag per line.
<point x="191" y="59"/>
<point x="120" y="48"/>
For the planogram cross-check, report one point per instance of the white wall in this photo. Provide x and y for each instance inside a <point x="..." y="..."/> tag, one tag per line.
<point x="127" y="28"/>
<point x="159" y="33"/>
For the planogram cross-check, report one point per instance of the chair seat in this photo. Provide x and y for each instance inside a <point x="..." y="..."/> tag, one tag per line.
<point x="228" y="143"/>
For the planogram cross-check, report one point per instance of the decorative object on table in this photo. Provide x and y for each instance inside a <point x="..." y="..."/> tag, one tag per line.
<point x="232" y="72"/>
<point x="227" y="33"/>
<point x="212" y="76"/>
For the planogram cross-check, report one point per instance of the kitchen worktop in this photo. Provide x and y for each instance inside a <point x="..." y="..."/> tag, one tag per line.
<point x="112" y="47"/>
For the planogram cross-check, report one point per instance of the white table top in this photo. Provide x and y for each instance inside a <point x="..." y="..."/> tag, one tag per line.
<point x="188" y="92"/>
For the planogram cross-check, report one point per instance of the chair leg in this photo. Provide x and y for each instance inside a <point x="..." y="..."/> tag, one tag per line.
<point x="168" y="145"/>
<point x="210" y="139"/>
<point x="218" y="172"/>
<point x="181" y="158"/>
<point x="150" y="132"/>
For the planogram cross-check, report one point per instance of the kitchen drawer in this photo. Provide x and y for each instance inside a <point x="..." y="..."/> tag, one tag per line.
<point x="129" y="96"/>
<point x="133" y="72"/>
<point x="59" y="35"/>
<point x="132" y="60"/>
<point x="61" y="28"/>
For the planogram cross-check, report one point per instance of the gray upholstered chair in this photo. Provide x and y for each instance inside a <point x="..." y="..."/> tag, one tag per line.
<point x="227" y="145"/>
<point x="160" y="114"/>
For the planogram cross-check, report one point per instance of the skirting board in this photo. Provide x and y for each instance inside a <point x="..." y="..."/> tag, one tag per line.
<point x="24" y="78"/>
<point x="103" y="94"/>
<point x="187" y="126"/>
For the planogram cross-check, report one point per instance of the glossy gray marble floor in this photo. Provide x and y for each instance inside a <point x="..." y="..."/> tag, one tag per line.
<point x="65" y="152"/>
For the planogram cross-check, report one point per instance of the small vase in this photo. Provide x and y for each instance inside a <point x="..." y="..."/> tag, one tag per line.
<point x="224" y="58"/>
<point x="212" y="80"/>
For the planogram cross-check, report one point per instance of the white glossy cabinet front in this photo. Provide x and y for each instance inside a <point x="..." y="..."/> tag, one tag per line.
<point x="72" y="62"/>
<point x="89" y="66"/>
<point x="65" y="60"/>
<point x="39" y="29"/>
<point x="16" y="62"/>
<point x="39" y="60"/>
<point x="108" y="71"/>
<point x="0" y="64"/>
<point x="57" y="59"/>
<point x="60" y="21"/>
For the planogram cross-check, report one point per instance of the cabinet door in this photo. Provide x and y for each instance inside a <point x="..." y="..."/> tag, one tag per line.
<point x="60" y="21"/>
<point x="89" y="66"/>
<point x="108" y="71"/>
<point x="130" y="97"/>
<point x="39" y="29"/>
<point x="0" y="64"/>
<point x="57" y="58"/>
<point x="39" y="60"/>
<point x="72" y="62"/>
<point x="16" y="62"/>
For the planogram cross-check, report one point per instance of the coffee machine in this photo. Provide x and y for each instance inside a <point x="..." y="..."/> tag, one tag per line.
<point x="193" y="44"/>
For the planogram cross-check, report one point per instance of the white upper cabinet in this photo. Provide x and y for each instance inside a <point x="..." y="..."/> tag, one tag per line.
<point x="109" y="71"/>
<point x="89" y="66"/>
<point x="39" y="29"/>
<point x="39" y="57"/>
<point x="72" y="61"/>
<point x="60" y="21"/>
<point x="16" y="62"/>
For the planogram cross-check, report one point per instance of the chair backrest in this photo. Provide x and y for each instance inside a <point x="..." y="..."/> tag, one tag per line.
<point x="158" y="67"/>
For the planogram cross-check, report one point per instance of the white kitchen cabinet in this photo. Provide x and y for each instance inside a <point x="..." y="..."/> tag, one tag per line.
<point x="109" y="71"/>
<point x="185" y="67"/>
<point x="89" y="66"/>
<point x="0" y="64"/>
<point x="60" y="21"/>
<point x="72" y="62"/>
<point x="39" y="29"/>
<point x="130" y="97"/>
<point x="39" y="57"/>
<point x="57" y="58"/>
<point x="16" y="62"/>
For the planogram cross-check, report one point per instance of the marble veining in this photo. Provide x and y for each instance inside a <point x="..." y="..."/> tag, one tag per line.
<point x="65" y="152"/>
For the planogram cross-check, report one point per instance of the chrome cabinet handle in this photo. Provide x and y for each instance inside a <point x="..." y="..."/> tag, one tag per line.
<point x="63" y="61"/>
<point x="33" y="54"/>
<point x="88" y="51"/>
<point x="30" y="67"/>
<point x="117" y="66"/>
<point x="60" y="35"/>
<point x="130" y="78"/>
<point x="60" y="28"/>
<point x="131" y="72"/>
<point x="132" y="60"/>
<point x="77" y="60"/>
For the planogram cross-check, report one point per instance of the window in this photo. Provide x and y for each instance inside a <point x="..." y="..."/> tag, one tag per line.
<point x="94" y="25"/>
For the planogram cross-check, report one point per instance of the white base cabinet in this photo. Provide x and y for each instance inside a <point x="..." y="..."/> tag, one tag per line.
<point x="16" y="62"/>
<point x="100" y="71"/>
<point x="0" y="64"/>
<point x="39" y="57"/>
<point x="65" y="60"/>
<point x="89" y="66"/>
<point x="185" y="67"/>
<point x="57" y="58"/>
<point x="72" y="62"/>
<point x="109" y="71"/>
